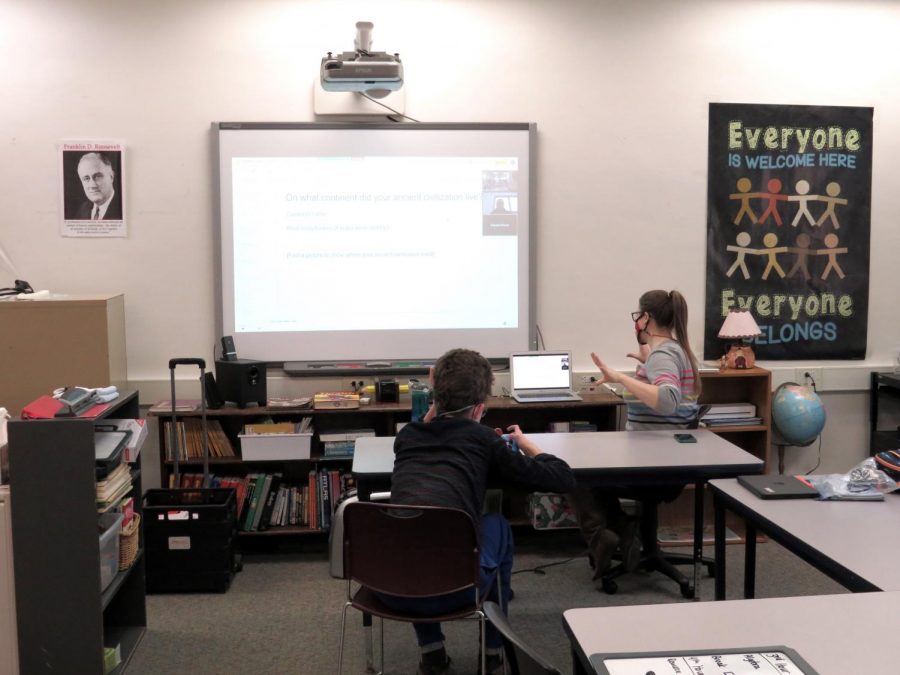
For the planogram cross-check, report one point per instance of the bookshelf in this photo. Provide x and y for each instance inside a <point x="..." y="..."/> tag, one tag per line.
<point x="752" y="385"/>
<point x="601" y="409"/>
<point x="63" y="618"/>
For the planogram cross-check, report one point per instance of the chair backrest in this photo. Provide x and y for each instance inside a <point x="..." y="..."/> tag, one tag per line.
<point x="701" y="411"/>
<point x="521" y="658"/>
<point x="410" y="551"/>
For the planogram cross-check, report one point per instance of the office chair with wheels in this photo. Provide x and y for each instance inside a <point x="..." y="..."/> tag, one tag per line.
<point x="411" y="552"/>
<point x="652" y="556"/>
<point x="521" y="659"/>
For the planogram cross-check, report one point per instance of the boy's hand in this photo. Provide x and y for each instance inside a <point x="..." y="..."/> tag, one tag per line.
<point x="526" y="445"/>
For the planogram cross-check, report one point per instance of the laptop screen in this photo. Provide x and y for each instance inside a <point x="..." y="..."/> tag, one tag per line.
<point x="540" y="370"/>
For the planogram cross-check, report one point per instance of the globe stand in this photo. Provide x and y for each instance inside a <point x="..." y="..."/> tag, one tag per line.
<point x="781" y="448"/>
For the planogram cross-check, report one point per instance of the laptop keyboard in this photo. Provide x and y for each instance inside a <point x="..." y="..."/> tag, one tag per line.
<point x="545" y="396"/>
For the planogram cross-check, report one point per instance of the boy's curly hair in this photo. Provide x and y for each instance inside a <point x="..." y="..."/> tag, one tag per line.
<point x="462" y="378"/>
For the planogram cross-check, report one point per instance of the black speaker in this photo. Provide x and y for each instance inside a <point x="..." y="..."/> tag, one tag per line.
<point x="242" y="381"/>
<point x="387" y="391"/>
<point x="213" y="397"/>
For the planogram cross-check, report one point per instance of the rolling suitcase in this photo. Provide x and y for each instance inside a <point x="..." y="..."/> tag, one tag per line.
<point x="190" y="533"/>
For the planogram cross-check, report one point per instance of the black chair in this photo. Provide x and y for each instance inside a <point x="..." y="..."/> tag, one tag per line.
<point x="521" y="659"/>
<point x="411" y="552"/>
<point x="653" y="558"/>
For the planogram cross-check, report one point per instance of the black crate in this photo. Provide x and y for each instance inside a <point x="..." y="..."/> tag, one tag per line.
<point x="189" y="537"/>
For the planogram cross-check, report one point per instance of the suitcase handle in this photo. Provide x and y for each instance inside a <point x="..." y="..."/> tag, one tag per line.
<point x="173" y="435"/>
<point x="187" y="362"/>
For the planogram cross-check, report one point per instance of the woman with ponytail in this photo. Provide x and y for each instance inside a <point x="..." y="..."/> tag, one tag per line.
<point x="662" y="394"/>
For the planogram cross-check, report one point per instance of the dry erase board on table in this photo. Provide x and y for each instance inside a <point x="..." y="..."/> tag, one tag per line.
<point x="741" y="661"/>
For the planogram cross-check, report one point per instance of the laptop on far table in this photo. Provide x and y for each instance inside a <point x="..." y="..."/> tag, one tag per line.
<point x="539" y="377"/>
<point x="778" y="487"/>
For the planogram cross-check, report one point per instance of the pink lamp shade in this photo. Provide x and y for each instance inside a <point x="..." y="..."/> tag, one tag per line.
<point x="739" y="324"/>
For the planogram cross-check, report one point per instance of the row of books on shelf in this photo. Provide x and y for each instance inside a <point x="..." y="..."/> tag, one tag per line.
<point x="731" y="415"/>
<point x="189" y="439"/>
<point x="113" y="487"/>
<point x="114" y="494"/>
<point x="342" y="443"/>
<point x="267" y="500"/>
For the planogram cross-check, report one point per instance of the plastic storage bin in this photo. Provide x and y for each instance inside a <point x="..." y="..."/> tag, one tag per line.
<point x="189" y="539"/>
<point x="263" y="447"/>
<point x="110" y="527"/>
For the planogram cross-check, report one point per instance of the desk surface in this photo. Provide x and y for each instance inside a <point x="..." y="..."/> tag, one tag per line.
<point x="859" y="536"/>
<point x="655" y="453"/>
<point x="835" y="634"/>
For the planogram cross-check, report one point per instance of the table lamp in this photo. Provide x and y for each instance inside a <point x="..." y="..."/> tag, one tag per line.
<point x="739" y="325"/>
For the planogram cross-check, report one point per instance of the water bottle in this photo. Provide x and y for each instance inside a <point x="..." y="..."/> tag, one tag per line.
<point x="419" y="394"/>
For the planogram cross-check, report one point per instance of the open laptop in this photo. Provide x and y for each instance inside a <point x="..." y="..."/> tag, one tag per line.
<point x="778" y="487"/>
<point x="538" y="377"/>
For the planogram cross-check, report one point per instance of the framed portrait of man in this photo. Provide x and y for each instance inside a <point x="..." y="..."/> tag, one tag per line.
<point x="93" y="196"/>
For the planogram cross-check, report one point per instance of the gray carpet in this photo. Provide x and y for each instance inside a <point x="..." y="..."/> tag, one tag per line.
<point x="282" y="613"/>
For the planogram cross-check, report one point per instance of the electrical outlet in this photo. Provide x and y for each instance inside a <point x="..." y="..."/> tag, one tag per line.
<point x="587" y="384"/>
<point x="808" y="376"/>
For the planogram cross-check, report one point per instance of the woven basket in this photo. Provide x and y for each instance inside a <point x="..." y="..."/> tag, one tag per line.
<point x="129" y="539"/>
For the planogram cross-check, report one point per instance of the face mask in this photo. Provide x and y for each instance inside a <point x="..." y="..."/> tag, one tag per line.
<point x="640" y="333"/>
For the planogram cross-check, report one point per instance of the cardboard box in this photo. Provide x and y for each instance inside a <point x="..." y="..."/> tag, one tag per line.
<point x="264" y="447"/>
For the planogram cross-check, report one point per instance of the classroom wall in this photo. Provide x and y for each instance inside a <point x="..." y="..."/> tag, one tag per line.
<point x="619" y="91"/>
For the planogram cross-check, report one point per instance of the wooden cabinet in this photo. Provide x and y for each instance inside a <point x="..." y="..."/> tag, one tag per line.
<point x="600" y="409"/>
<point x="77" y="341"/>
<point x="64" y="620"/>
<point x="753" y="385"/>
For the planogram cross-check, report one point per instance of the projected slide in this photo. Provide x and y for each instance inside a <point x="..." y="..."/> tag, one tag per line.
<point x="375" y="243"/>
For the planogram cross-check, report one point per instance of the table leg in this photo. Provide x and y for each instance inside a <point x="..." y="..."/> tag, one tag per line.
<point x="750" y="562"/>
<point x="698" y="536"/>
<point x="719" y="510"/>
<point x="577" y="666"/>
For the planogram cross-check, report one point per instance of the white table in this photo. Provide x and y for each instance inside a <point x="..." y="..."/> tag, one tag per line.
<point x="606" y="457"/>
<point x="853" y="542"/>
<point x="835" y="634"/>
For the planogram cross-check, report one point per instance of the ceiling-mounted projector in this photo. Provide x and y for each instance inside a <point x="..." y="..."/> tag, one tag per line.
<point x="376" y="73"/>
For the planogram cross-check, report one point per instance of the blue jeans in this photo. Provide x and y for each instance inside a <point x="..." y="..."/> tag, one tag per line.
<point x="496" y="565"/>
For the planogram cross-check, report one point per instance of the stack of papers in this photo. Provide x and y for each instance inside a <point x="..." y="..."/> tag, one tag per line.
<point x="731" y="414"/>
<point x="302" y="402"/>
<point x="113" y="488"/>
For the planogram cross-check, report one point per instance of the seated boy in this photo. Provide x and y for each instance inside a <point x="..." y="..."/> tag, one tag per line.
<point x="446" y="460"/>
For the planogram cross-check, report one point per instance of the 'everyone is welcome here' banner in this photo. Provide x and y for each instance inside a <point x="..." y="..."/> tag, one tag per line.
<point x="788" y="227"/>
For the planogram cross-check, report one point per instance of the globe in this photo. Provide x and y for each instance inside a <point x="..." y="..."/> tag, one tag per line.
<point x="797" y="414"/>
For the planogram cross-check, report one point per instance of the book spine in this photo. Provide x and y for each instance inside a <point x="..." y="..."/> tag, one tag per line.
<point x="270" y="502"/>
<point x="261" y="502"/>
<point x="311" y="502"/>
<point x="324" y="490"/>
<point x="251" y="501"/>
